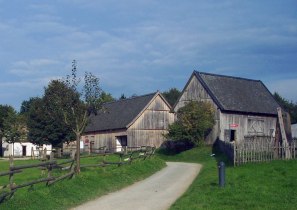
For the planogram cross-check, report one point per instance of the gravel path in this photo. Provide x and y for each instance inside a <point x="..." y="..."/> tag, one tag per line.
<point x="157" y="192"/>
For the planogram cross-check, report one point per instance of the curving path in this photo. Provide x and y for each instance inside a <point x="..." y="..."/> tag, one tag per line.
<point x="157" y="192"/>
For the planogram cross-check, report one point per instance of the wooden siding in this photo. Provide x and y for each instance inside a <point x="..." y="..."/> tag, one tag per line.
<point x="246" y="126"/>
<point x="147" y="129"/>
<point x="194" y="91"/>
<point x="106" y="138"/>
<point x="150" y="126"/>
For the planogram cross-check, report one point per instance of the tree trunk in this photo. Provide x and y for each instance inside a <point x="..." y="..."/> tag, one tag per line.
<point x="77" y="153"/>
<point x="13" y="149"/>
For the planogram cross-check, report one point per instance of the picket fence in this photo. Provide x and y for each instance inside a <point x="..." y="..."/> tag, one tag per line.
<point x="257" y="149"/>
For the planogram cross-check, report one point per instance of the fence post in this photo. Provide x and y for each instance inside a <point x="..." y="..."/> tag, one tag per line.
<point x="11" y="174"/>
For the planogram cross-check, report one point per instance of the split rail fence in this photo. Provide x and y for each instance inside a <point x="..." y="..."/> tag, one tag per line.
<point x="8" y="190"/>
<point x="46" y="166"/>
<point x="257" y="149"/>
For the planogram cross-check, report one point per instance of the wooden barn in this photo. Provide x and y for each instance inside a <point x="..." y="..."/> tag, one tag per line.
<point x="244" y="107"/>
<point x="137" y="121"/>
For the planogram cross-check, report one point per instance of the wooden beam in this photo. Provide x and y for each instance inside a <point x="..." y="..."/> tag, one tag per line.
<point x="283" y="134"/>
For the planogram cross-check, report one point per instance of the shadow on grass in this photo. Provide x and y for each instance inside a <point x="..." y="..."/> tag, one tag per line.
<point x="220" y="156"/>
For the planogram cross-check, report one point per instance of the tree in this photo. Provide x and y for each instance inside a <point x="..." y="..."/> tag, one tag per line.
<point x="105" y="97"/>
<point x="194" y="121"/>
<point x="122" y="97"/>
<point x="65" y="99"/>
<point x="5" y="111"/>
<point x="288" y="106"/>
<point x="26" y="105"/>
<point x="172" y="95"/>
<point x="44" y="128"/>
<point x="14" y="128"/>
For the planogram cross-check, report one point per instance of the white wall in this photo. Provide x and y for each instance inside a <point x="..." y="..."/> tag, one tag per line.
<point x="18" y="149"/>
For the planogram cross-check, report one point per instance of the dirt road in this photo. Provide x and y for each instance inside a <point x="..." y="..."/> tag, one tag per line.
<point x="157" y="192"/>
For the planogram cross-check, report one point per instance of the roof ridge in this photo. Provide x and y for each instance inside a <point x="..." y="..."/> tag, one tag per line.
<point x="226" y="76"/>
<point x="126" y="99"/>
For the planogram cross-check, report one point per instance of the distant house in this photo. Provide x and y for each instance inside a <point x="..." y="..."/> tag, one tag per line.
<point x="23" y="149"/>
<point x="132" y="122"/>
<point x="243" y="107"/>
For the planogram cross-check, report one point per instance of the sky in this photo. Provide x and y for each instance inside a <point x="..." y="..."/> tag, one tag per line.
<point x="141" y="46"/>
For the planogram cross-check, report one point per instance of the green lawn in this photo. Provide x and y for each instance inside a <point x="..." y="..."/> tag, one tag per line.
<point x="89" y="184"/>
<point x="270" y="185"/>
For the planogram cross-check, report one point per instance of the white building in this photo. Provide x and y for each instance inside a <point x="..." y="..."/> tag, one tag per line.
<point x="23" y="149"/>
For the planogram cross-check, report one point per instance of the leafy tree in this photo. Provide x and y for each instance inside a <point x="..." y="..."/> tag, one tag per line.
<point x="194" y="121"/>
<point x="14" y="128"/>
<point x="289" y="106"/>
<point x="65" y="99"/>
<point x="172" y="95"/>
<point x="105" y="97"/>
<point x="25" y="106"/>
<point x="45" y="128"/>
<point x="5" y="111"/>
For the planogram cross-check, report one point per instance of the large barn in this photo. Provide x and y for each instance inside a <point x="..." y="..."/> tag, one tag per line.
<point x="137" y="121"/>
<point x="244" y="107"/>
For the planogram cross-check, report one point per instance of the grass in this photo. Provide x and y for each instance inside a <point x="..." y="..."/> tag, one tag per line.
<point x="89" y="184"/>
<point x="270" y="185"/>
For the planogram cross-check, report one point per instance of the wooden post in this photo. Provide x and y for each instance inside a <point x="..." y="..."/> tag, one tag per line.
<point x="11" y="184"/>
<point x="283" y="134"/>
<point x="44" y="153"/>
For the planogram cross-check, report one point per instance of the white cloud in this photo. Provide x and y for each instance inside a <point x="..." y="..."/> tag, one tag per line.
<point x="33" y="67"/>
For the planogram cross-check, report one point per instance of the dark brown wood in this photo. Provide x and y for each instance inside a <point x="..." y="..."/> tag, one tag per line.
<point x="13" y="168"/>
<point x="10" y="172"/>
<point x="32" y="183"/>
<point x="93" y="165"/>
<point x="70" y="174"/>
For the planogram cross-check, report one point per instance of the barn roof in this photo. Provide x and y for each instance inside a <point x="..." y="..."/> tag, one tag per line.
<point x="119" y="114"/>
<point x="238" y="94"/>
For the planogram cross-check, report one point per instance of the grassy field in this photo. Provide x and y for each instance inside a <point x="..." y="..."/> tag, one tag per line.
<point x="89" y="184"/>
<point x="253" y="186"/>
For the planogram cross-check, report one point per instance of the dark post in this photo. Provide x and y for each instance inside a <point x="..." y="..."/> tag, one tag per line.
<point x="221" y="174"/>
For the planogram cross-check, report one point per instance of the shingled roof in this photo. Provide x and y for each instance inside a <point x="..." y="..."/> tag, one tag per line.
<point x="118" y="114"/>
<point x="238" y="94"/>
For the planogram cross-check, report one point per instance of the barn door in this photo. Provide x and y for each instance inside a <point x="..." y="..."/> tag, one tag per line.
<point x="121" y="141"/>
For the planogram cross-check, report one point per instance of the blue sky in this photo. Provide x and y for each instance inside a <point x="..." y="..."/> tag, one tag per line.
<point x="140" y="46"/>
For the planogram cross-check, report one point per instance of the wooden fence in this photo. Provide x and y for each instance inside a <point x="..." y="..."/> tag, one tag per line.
<point x="127" y="156"/>
<point x="46" y="168"/>
<point x="256" y="149"/>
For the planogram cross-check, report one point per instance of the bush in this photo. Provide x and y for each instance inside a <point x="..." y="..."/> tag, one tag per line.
<point x="194" y="121"/>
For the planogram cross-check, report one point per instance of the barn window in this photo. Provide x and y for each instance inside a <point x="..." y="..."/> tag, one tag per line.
<point x="255" y="126"/>
<point x="230" y="135"/>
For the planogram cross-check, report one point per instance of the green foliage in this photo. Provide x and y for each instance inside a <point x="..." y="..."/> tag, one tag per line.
<point x="5" y="111"/>
<point x="289" y="106"/>
<point x="45" y="128"/>
<point x="172" y="95"/>
<point x="14" y="127"/>
<point x="194" y="121"/>
<point x="63" y="98"/>
<point x="105" y="97"/>
<point x="251" y="186"/>
<point x="66" y="194"/>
